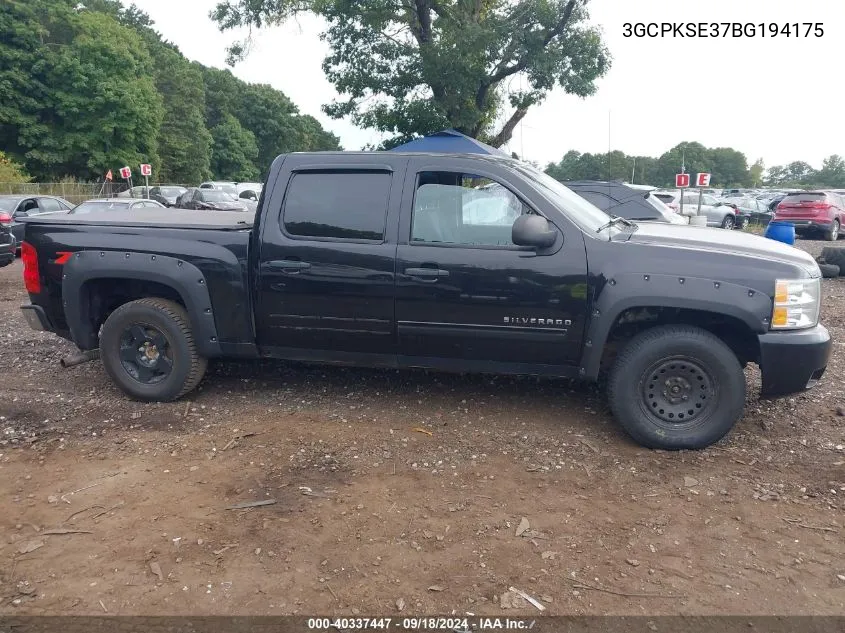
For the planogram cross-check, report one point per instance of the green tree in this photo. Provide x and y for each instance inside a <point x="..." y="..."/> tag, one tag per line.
<point x="729" y="167"/>
<point x="832" y="173"/>
<point x="184" y="142"/>
<point x="756" y="172"/>
<point x="79" y="97"/>
<point x="11" y="172"/>
<point x="415" y="66"/>
<point x="235" y="151"/>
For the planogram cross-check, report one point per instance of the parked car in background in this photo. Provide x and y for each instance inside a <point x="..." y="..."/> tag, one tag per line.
<point x="166" y="194"/>
<point x="813" y="212"/>
<point x="211" y="199"/>
<point x="8" y="244"/>
<point x="716" y="211"/>
<point x="749" y="210"/>
<point x="249" y="186"/>
<point x="183" y="198"/>
<point x="135" y="192"/>
<point x="102" y="205"/>
<point x="221" y="185"/>
<point x="625" y="201"/>
<point x="21" y="206"/>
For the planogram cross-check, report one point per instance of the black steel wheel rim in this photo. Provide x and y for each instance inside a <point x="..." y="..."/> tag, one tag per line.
<point x="678" y="391"/>
<point x="145" y="353"/>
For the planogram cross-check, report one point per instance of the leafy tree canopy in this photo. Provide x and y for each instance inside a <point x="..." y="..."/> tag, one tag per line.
<point x="85" y="90"/>
<point x="412" y="67"/>
<point x="729" y="168"/>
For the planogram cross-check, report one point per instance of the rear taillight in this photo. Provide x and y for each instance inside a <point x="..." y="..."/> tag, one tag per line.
<point x="5" y="219"/>
<point x="31" y="277"/>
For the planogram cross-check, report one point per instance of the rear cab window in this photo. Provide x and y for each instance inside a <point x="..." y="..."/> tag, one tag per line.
<point x="337" y="205"/>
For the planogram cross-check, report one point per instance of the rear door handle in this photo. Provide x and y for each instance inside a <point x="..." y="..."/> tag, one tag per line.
<point x="426" y="272"/>
<point x="289" y="265"/>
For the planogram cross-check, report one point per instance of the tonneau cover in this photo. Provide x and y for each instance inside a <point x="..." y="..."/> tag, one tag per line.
<point x="153" y="218"/>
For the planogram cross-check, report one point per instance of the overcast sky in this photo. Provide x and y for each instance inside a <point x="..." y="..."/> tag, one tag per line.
<point x="773" y="98"/>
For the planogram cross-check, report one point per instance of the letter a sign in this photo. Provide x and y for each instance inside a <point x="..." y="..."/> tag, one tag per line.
<point x="681" y="181"/>
<point x="702" y="180"/>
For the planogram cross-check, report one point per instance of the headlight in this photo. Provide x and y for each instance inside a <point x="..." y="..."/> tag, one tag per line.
<point x="797" y="303"/>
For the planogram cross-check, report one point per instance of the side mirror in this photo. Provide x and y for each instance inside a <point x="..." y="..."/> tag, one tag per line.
<point x="533" y="230"/>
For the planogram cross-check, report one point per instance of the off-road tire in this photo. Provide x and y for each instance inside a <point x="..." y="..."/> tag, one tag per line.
<point x="171" y="319"/>
<point x="833" y="234"/>
<point x="833" y="255"/>
<point x="829" y="271"/>
<point x="702" y="359"/>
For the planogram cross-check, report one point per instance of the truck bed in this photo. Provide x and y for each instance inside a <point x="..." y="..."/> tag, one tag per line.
<point x="197" y="258"/>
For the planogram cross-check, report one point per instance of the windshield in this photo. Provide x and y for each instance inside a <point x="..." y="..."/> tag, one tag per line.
<point x="215" y="195"/>
<point x="583" y="213"/>
<point x="110" y="205"/>
<point x="8" y="204"/>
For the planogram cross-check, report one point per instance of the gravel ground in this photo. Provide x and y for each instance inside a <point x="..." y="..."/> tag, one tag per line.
<point x="403" y="492"/>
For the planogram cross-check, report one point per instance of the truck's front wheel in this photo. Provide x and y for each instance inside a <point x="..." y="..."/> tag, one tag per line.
<point x="148" y="350"/>
<point x="676" y="387"/>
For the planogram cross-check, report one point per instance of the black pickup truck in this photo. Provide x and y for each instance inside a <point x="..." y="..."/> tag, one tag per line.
<point x="453" y="262"/>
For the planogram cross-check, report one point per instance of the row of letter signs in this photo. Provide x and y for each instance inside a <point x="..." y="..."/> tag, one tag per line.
<point x="146" y="170"/>
<point x="682" y="181"/>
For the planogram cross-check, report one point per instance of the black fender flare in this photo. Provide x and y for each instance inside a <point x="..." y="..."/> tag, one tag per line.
<point x="645" y="290"/>
<point x="183" y="277"/>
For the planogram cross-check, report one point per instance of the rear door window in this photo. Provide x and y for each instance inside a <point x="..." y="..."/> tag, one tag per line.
<point x="340" y="205"/>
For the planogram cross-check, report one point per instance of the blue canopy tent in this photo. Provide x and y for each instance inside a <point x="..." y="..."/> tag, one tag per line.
<point x="449" y="142"/>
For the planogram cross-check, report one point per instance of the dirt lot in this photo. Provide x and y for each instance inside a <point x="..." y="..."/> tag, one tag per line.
<point x="403" y="491"/>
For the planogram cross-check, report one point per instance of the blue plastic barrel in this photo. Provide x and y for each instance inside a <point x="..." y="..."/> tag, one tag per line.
<point x="781" y="231"/>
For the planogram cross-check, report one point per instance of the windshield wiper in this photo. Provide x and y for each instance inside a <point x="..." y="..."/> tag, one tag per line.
<point x="615" y="219"/>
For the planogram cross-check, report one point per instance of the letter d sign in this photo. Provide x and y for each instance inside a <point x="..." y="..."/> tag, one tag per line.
<point x="702" y="180"/>
<point x="681" y="180"/>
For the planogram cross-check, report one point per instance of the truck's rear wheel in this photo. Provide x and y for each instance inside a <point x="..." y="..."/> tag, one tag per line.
<point x="148" y="350"/>
<point x="676" y="387"/>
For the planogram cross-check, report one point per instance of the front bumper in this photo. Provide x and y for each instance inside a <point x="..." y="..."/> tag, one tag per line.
<point x="793" y="361"/>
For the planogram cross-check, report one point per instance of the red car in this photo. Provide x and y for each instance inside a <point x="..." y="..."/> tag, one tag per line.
<point x="813" y="212"/>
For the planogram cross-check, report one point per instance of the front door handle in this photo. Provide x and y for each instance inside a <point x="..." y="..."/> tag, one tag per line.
<point x="289" y="265"/>
<point x="426" y="272"/>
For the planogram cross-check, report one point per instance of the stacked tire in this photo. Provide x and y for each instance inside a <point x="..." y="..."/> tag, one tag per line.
<point x="831" y="262"/>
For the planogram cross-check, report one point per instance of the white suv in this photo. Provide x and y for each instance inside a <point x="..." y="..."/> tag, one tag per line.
<point x="717" y="212"/>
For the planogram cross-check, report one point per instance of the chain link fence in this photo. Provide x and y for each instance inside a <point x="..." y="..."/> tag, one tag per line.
<point x="75" y="192"/>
